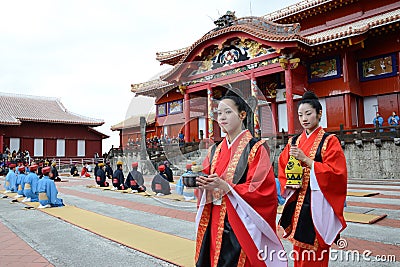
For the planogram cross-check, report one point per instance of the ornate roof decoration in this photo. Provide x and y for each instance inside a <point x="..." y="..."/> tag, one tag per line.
<point x="231" y="53"/>
<point x="225" y="20"/>
<point x="233" y="71"/>
<point x="245" y="24"/>
<point x="260" y="28"/>
<point x="255" y="26"/>
<point x="265" y="25"/>
<point x="16" y="108"/>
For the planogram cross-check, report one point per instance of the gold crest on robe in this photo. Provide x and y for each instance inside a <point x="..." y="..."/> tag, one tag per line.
<point x="293" y="171"/>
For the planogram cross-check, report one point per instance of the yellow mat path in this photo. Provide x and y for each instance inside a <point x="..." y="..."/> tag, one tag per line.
<point x="361" y="194"/>
<point x="355" y="217"/>
<point x="362" y="218"/>
<point x="174" y="249"/>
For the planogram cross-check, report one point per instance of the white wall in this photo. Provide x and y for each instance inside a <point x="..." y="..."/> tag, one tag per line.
<point x="202" y="126"/>
<point x="282" y="117"/>
<point x="60" y="148"/>
<point x="38" y="148"/>
<point x="81" y="148"/>
<point x="324" y="119"/>
<point x="370" y="106"/>
<point x="14" y="144"/>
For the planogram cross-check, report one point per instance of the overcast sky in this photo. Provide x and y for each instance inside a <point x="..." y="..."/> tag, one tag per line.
<point x="89" y="52"/>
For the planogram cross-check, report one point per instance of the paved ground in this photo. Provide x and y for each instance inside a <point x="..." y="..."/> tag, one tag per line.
<point x="34" y="238"/>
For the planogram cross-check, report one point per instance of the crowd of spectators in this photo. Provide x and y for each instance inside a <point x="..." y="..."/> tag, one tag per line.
<point x="156" y="142"/>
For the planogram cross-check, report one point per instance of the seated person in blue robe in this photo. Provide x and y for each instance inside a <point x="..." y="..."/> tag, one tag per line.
<point x="48" y="191"/>
<point x="281" y="200"/>
<point x="20" y="182"/>
<point x="10" y="184"/>
<point x="118" y="180"/>
<point x="31" y="184"/>
<point x="101" y="176"/>
<point x="160" y="184"/>
<point x="135" y="179"/>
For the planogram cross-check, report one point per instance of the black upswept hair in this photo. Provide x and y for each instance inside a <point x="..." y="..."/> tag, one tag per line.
<point x="312" y="99"/>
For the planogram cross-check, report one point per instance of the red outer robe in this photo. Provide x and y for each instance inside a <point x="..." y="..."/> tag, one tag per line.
<point x="259" y="191"/>
<point x="331" y="174"/>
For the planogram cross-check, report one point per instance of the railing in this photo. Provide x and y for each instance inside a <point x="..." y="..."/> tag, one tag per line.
<point x="157" y="153"/>
<point x="384" y="133"/>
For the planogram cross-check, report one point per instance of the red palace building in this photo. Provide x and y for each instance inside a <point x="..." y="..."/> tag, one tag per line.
<point x="346" y="51"/>
<point x="46" y="129"/>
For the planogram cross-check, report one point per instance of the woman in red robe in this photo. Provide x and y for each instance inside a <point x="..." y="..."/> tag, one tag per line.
<point x="84" y="171"/>
<point x="313" y="214"/>
<point x="238" y="200"/>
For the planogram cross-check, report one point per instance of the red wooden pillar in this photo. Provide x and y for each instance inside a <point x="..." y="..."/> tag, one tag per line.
<point x="288" y="65"/>
<point x="289" y="100"/>
<point x="347" y="110"/>
<point x="254" y="93"/>
<point x="186" y="108"/>
<point x="210" y="117"/>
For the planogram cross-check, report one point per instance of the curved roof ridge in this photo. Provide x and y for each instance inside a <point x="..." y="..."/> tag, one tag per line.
<point x="49" y="98"/>
<point x="257" y="30"/>
<point x="170" y="54"/>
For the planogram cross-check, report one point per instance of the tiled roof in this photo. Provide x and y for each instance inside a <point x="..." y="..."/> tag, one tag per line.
<point x="134" y="121"/>
<point x="153" y="88"/>
<point x="150" y="85"/>
<point x="164" y="56"/>
<point x="17" y="108"/>
<point x="254" y="26"/>
<point x="295" y="8"/>
<point x="309" y="37"/>
<point x="353" y="28"/>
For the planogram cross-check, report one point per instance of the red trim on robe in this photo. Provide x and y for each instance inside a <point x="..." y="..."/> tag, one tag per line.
<point x="259" y="191"/>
